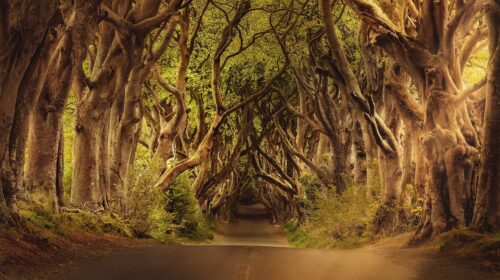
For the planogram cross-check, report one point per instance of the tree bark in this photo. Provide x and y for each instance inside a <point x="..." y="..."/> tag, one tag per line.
<point x="45" y="125"/>
<point x="23" y="28"/>
<point x="487" y="212"/>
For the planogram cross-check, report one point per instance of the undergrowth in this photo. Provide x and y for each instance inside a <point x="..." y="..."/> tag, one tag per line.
<point x="169" y="216"/>
<point x="471" y="245"/>
<point x="45" y="224"/>
<point x="330" y="219"/>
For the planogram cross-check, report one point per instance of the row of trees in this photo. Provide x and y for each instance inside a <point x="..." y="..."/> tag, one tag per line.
<point x="263" y="93"/>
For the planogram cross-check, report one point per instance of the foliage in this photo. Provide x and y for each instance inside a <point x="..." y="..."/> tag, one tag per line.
<point x="164" y="215"/>
<point x="415" y="208"/>
<point x="331" y="219"/>
<point x="46" y="224"/>
<point x="180" y="202"/>
<point x="311" y="184"/>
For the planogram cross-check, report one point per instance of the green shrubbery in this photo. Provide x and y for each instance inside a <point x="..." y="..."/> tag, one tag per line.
<point x="46" y="224"/>
<point x="170" y="216"/>
<point x="180" y="202"/>
<point x="332" y="220"/>
<point x="164" y="215"/>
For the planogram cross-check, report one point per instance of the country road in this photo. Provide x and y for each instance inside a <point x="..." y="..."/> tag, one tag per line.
<point x="254" y="249"/>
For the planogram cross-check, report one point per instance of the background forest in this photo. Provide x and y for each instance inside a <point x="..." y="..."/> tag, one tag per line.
<point x="348" y="120"/>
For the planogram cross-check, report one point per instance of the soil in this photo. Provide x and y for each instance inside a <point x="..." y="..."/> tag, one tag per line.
<point x="28" y="256"/>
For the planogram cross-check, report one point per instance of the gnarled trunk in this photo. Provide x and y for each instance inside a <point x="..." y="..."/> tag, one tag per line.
<point x="487" y="212"/>
<point x="447" y="156"/>
<point x="23" y="28"/>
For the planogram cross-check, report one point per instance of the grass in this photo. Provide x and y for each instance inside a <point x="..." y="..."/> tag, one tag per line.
<point x="302" y="238"/>
<point x="47" y="224"/>
<point x="473" y="246"/>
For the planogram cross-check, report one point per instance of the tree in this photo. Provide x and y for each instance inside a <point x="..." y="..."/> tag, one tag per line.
<point x="25" y="42"/>
<point x="108" y="112"/>
<point x="449" y="141"/>
<point x="487" y="212"/>
<point x="74" y="34"/>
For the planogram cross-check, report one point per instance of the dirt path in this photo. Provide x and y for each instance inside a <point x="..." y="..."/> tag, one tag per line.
<point x="254" y="249"/>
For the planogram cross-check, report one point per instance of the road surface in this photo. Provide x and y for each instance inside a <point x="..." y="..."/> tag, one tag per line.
<point x="254" y="249"/>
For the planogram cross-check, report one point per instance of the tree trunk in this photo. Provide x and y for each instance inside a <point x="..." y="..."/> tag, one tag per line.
<point x="123" y="140"/>
<point x="45" y="126"/>
<point x="85" y="182"/>
<point x="446" y="154"/>
<point x="487" y="212"/>
<point x="21" y="50"/>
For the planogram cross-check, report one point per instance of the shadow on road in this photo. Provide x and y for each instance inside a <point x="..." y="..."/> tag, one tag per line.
<point x="251" y="227"/>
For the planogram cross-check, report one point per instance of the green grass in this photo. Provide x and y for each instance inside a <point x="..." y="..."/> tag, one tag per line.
<point x="47" y="224"/>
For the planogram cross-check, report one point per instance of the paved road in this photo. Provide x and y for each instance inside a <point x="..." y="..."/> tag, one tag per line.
<point x="254" y="249"/>
<point x="251" y="228"/>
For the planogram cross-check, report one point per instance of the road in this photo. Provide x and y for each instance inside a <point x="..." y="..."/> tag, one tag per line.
<point x="254" y="249"/>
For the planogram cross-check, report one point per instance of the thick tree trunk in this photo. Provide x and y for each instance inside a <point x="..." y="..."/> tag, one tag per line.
<point x="124" y="140"/>
<point x="43" y="146"/>
<point x="90" y="180"/>
<point x="85" y="182"/>
<point x="487" y="212"/>
<point x="45" y="126"/>
<point x="446" y="153"/>
<point x="43" y="166"/>
<point x="21" y="40"/>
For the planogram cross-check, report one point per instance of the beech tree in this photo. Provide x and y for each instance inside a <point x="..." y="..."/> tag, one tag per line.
<point x="487" y="214"/>
<point x="108" y="112"/>
<point x="285" y="102"/>
<point x="43" y="168"/>
<point x="25" y="42"/>
<point x="449" y="140"/>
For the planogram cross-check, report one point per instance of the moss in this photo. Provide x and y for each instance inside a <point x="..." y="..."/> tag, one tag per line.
<point x="47" y="224"/>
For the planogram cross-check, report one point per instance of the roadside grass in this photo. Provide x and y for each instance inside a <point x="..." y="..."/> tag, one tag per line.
<point x="472" y="246"/>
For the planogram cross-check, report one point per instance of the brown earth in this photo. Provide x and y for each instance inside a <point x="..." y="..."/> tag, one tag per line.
<point x="28" y="256"/>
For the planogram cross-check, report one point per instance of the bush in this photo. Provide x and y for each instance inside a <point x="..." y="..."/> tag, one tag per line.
<point x="143" y="201"/>
<point x="311" y="185"/>
<point x="180" y="202"/>
<point x="333" y="220"/>
<point x="164" y="215"/>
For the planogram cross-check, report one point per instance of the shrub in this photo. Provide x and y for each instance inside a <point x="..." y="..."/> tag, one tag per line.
<point x="143" y="201"/>
<point x="180" y="202"/>
<point x="331" y="219"/>
<point x="161" y="214"/>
